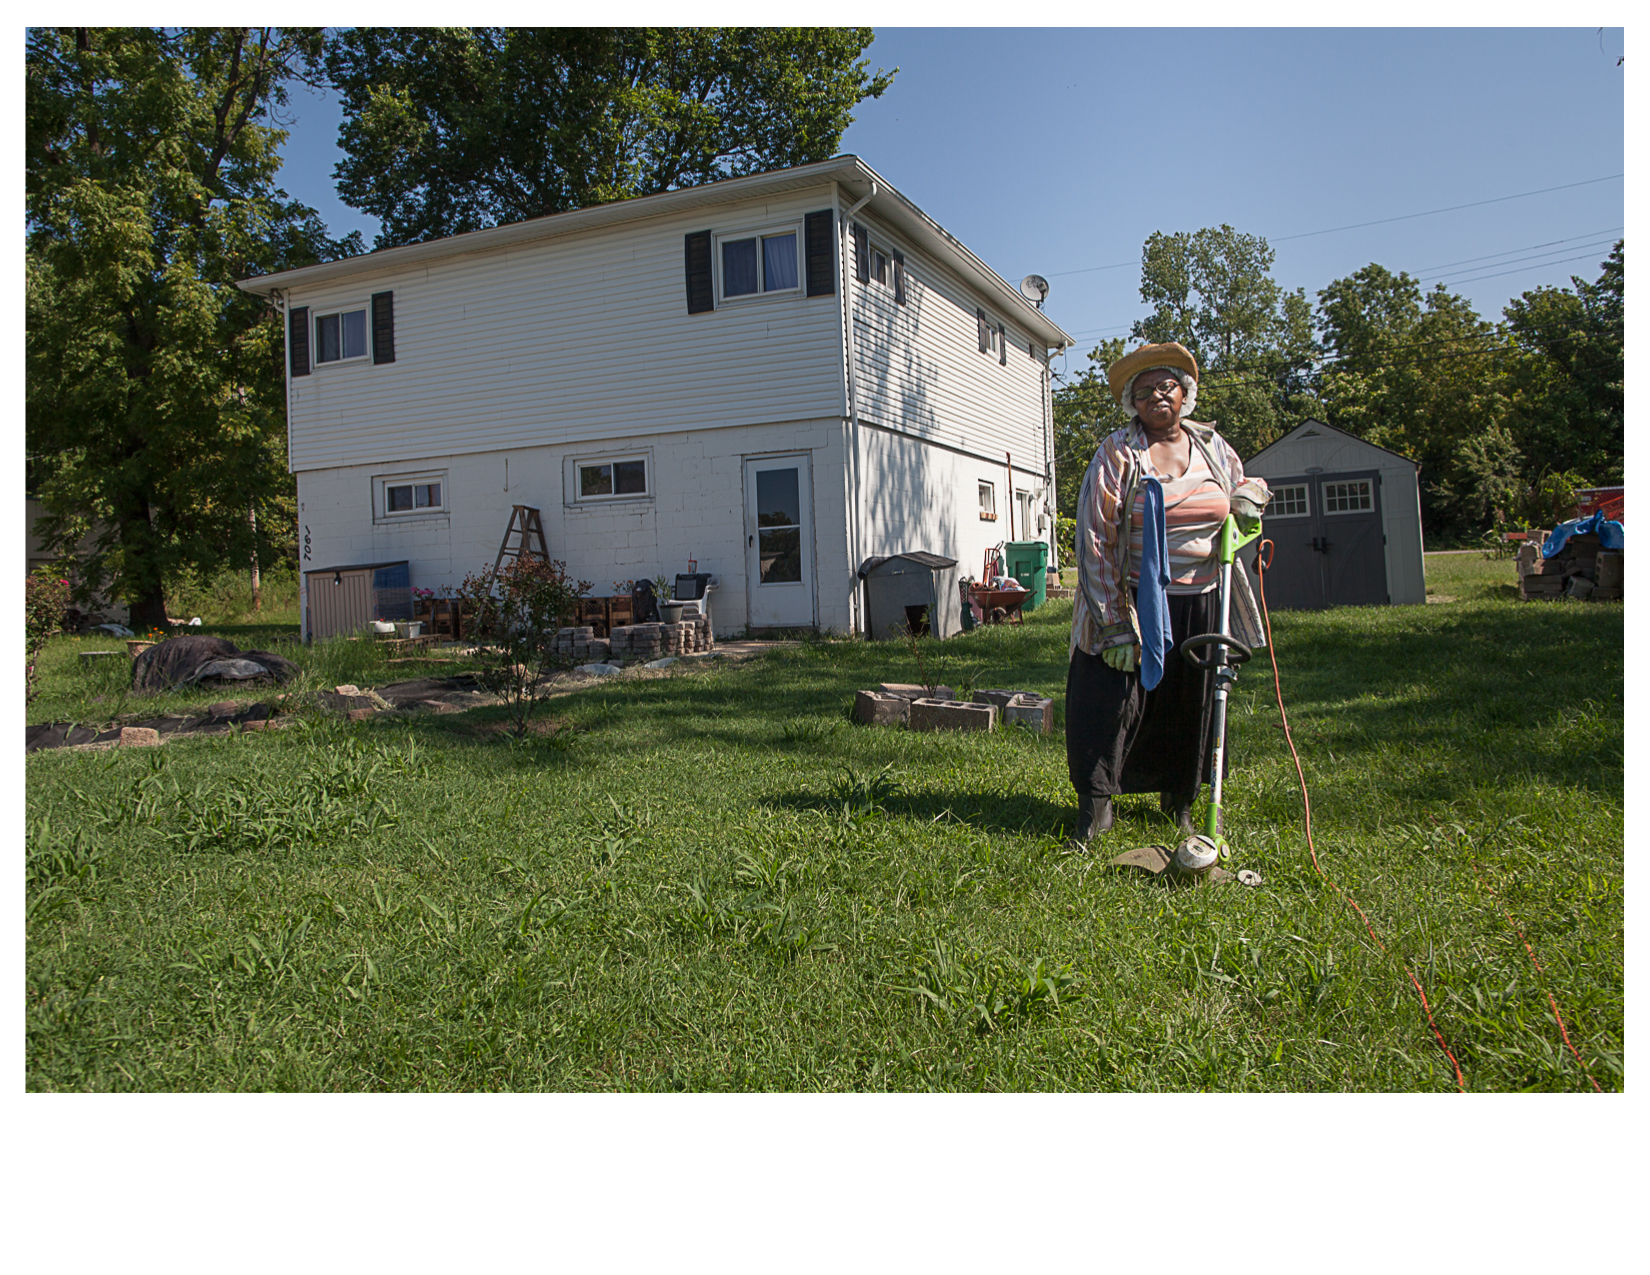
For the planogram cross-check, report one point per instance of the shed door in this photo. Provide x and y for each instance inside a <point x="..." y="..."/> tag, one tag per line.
<point x="1328" y="549"/>
<point x="779" y="542"/>
<point x="1354" y="548"/>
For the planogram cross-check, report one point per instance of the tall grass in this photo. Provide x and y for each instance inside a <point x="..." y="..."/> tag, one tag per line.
<point x="712" y="880"/>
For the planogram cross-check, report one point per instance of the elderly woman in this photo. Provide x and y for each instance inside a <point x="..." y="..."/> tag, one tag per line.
<point x="1148" y="527"/>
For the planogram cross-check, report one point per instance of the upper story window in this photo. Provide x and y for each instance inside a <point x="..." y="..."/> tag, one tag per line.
<point x="341" y="336"/>
<point x="756" y="264"/>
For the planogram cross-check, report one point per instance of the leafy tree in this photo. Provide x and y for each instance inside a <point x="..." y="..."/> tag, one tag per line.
<point x="1568" y="393"/>
<point x="457" y="129"/>
<point x="154" y="386"/>
<point x="1212" y="290"/>
<point x="1424" y="376"/>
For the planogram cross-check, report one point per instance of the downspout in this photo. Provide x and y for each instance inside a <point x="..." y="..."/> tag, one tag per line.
<point x="1050" y="502"/>
<point x="856" y="538"/>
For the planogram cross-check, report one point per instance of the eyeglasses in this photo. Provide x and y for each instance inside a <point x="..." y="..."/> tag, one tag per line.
<point x="1165" y="388"/>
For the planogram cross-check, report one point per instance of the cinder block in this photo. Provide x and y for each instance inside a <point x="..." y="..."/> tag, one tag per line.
<point x="1031" y="711"/>
<point x="139" y="737"/>
<point x="998" y="697"/>
<point x="908" y="690"/>
<point x="944" y="714"/>
<point x="873" y="708"/>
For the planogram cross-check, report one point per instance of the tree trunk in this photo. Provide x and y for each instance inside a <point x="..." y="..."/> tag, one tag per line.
<point x="148" y="611"/>
<point x="257" y="588"/>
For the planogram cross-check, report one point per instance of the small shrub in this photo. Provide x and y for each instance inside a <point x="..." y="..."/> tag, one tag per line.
<point x="46" y="601"/>
<point x="518" y="613"/>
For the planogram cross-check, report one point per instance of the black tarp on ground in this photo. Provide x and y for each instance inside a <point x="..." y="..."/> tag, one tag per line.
<point x="177" y="659"/>
<point x="61" y="734"/>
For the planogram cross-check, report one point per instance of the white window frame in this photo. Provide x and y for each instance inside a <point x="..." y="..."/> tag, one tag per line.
<point x="1025" y="503"/>
<point x="1274" y="510"/>
<point x="1368" y="485"/>
<point x="315" y="317"/>
<point x="988" y="500"/>
<point x="880" y="254"/>
<point x="577" y="497"/>
<point x="758" y="233"/>
<point x="381" y="484"/>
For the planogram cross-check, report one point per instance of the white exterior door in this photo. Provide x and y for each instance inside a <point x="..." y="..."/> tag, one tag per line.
<point x="779" y="541"/>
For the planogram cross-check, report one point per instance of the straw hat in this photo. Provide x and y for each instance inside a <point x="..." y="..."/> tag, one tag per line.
<point x="1170" y="354"/>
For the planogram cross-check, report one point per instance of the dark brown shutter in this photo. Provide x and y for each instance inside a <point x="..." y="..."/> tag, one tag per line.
<point x="1002" y="345"/>
<point x="701" y="294"/>
<point x="984" y="331"/>
<point x="383" y="327"/>
<point x="818" y="235"/>
<point x="297" y="339"/>
<point x="899" y="278"/>
<point x="862" y="254"/>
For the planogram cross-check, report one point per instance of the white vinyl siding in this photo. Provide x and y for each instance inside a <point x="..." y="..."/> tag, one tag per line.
<point x="919" y="368"/>
<point x="585" y="336"/>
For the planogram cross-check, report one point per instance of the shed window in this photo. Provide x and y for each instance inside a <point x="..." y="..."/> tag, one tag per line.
<point x="1290" y="502"/>
<point x="1347" y="498"/>
<point x="988" y="502"/>
<point x="603" y="478"/>
<point x="341" y="336"/>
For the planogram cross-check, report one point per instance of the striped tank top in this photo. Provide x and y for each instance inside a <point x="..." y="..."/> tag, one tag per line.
<point x="1194" y="505"/>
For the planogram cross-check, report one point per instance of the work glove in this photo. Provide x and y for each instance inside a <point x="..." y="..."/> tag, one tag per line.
<point x="1121" y="658"/>
<point x="1249" y="501"/>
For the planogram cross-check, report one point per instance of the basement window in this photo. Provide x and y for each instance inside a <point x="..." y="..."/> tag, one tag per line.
<point x="410" y="496"/>
<point x="988" y="502"/>
<point x="603" y="479"/>
<point x="341" y="336"/>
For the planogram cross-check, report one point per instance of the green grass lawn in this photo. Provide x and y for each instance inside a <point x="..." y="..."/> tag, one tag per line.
<point x="712" y="880"/>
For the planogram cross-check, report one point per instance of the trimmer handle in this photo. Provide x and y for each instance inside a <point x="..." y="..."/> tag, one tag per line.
<point x="1193" y="649"/>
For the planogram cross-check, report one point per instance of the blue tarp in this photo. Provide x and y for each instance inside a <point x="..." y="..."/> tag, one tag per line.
<point x="1607" y="530"/>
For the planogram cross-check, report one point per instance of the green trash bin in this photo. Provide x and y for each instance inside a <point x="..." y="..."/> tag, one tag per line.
<point x="1027" y="562"/>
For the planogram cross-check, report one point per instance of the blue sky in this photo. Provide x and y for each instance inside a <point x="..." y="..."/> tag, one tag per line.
<point x="1057" y="151"/>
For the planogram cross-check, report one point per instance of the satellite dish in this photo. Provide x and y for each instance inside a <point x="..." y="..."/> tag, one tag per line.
<point x="1034" y="288"/>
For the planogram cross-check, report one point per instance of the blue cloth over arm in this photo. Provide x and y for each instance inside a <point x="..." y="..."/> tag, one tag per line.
<point x="1151" y="602"/>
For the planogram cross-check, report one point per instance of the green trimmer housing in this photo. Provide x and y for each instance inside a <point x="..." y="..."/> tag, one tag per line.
<point x="1198" y="856"/>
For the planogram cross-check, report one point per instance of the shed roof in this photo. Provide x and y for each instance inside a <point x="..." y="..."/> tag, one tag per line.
<point x="854" y="175"/>
<point x="1311" y="423"/>
<point x="933" y="561"/>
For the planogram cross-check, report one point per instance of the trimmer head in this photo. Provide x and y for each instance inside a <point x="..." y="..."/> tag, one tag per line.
<point x="1160" y="861"/>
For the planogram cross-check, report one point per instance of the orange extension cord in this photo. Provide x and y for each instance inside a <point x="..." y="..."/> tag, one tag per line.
<point x="1263" y="559"/>
<point x="1551" y="999"/>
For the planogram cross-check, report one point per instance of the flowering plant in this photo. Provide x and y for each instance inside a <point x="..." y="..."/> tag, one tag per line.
<point x="423" y="595"/>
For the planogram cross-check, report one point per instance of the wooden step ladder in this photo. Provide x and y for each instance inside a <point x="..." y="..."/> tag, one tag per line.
<point x="525" y="524"/>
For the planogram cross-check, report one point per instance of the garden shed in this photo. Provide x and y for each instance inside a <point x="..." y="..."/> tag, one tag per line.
<point x="1345" y="521"/>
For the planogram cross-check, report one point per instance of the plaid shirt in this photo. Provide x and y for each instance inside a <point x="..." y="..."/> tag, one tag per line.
<point x="1103" y="614"/>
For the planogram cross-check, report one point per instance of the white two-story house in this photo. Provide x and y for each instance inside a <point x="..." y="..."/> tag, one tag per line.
<point x="774" y="376"/>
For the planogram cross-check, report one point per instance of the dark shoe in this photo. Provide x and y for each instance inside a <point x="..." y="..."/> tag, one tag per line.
<point x="1179" y="810"/>
<point x="1093" y="817"/>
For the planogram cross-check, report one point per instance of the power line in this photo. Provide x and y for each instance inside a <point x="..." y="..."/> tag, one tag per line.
<point x="1586" y="256"/>
<point x="1380" y="221"/>
<point x="1608" y="230"/>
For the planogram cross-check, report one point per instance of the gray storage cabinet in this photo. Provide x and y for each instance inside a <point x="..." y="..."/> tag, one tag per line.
<point x="910" y="591"/>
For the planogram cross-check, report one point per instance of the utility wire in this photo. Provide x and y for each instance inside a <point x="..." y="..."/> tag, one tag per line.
<point x="1380" y="221"/>
<point x="1608" y="230"/>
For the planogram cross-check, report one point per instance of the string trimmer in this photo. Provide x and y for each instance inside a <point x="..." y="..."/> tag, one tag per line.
<point x="1199" y="854"/>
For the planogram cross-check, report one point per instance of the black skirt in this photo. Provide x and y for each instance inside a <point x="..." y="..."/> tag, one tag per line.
<point x="1122" y="738"/>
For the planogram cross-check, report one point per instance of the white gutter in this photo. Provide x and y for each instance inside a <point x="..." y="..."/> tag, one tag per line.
<point x="856" y="536"/>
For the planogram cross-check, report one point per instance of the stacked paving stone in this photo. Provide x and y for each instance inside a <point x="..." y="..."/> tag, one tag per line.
<point x="581" y="645"/>
<point x="637" y="641"/>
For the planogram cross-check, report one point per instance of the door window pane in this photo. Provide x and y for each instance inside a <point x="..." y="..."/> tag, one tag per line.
<point x="781" y="555"/>
<point x="778" y="499"/>
<point x="1289" y="502"/>
<point x="739" y="268"/>
<point x="1347" y="498"/>
<point x="779" y="262"/>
